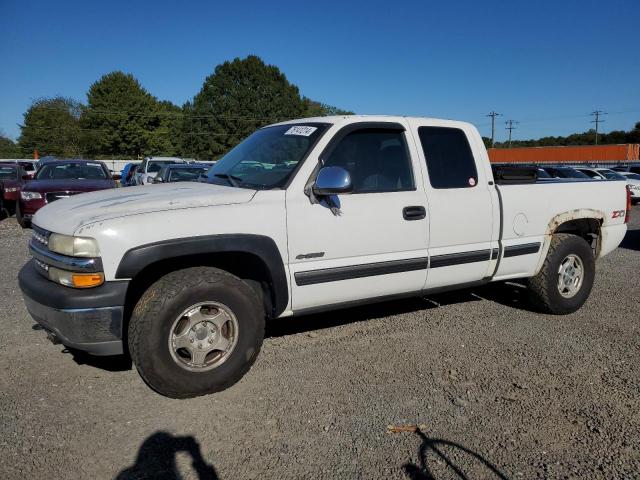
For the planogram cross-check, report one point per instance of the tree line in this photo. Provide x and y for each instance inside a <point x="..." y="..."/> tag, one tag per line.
<point x="122" y="119"/>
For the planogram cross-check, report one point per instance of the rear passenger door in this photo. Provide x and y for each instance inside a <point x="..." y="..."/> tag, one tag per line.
<point x="462" y="207"/>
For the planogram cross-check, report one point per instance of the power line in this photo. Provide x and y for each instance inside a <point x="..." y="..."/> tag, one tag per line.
<point x="597" y="114"/>
<point x="510" y="126"/>
<point x="493" y="116"/>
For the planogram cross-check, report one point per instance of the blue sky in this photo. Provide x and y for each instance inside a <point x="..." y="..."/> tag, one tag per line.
<point x="544" y="63"/>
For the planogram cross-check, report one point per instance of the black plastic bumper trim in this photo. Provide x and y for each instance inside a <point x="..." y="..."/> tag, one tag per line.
<point x="50" y="294"/>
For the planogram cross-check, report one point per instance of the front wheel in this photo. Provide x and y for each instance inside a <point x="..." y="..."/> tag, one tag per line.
<point x="564" y="282"/>
<point x="195" y="331"/>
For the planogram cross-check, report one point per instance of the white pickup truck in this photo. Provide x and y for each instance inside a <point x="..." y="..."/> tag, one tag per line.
<point x="302" y="216"/>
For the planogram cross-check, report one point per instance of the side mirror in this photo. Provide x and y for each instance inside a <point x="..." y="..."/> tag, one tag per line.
<point x="332" y="181"/>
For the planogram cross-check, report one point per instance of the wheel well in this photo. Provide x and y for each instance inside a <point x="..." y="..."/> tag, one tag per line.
<point x="246" y="266"/>
<point x="587" y="228"/>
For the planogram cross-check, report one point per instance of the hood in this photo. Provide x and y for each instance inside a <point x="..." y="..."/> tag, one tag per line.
<point x="67" y="185"/>
<point x="69" y="214"/>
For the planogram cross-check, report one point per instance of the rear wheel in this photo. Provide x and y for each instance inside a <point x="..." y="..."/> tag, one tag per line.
<point x="21" y="220"/>
<point x="196" y="331"/>
<point x="566" y="277"/>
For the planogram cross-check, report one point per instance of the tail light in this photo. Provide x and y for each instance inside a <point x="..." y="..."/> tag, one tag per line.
<point x="627" y="214"/>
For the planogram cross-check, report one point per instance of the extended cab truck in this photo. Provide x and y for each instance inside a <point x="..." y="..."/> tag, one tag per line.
<point x="303" y="216"/>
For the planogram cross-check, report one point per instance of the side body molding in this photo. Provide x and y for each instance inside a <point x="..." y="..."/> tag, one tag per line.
<point x="138" y="258"/>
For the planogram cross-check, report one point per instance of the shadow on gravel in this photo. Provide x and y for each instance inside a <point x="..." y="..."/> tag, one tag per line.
<point x="631" y="240"/>
<point x="436" y="462"/>
<point x="157" y="459"/>
<point x="509" y="294"/>
<point x="119" y="363"/>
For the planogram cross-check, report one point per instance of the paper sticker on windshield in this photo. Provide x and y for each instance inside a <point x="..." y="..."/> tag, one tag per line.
<point x="301" y="130"/>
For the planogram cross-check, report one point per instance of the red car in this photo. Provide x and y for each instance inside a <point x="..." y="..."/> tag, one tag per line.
<point x="60" y="179"/>
<point x="12" y="178"/>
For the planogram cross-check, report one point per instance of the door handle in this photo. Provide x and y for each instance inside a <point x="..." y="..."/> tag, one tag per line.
<point x="414" y="213"/>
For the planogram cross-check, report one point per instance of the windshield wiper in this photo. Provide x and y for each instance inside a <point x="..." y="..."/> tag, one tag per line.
<point x="232" y="179"/>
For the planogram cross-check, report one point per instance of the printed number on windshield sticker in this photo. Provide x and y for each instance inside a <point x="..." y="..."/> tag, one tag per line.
<point x="301" y="130"/>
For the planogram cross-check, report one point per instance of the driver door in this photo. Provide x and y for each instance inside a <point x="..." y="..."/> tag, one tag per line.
<point x="374" y="243"/>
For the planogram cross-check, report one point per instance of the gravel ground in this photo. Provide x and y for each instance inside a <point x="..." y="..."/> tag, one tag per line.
<point x="497" y="390"/>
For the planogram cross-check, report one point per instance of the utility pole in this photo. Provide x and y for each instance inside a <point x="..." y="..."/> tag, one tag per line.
<point x="597" y="120"/>
<point x="493" y="116"/>
<point x="510" y="126"/>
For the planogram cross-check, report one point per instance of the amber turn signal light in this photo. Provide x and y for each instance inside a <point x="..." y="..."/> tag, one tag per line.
<point x="87" y="280"/>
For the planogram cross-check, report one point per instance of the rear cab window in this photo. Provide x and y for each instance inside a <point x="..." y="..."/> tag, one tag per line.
<point x="449" y="158"/>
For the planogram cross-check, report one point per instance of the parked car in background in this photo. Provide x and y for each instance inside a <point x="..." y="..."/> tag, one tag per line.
<point x="601" y="173"/>
<point x="60" y="179"/>
<point x="564" y="172"/>
<point x="633" y="182"/>
<point x="630" y="169"/>
<point x="127" y="173"/>
<point x="30" y="167"/>
<point x="181" y="172"/>
<point x="12" y="178"/>
<point x="150" y="167"/>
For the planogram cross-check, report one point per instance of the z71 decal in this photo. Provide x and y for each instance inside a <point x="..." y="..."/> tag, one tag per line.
<point x="617" y="214"/>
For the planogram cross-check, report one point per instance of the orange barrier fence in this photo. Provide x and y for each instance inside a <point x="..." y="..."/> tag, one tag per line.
<point x="626" y="153"/>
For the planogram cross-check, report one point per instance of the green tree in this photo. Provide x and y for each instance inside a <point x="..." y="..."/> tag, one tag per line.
<point x="239" y="97"/>
<point x="313" y="108"/>
<point x="9" y="148"/>
<point x="121" y="117"/>
<point x="166" y="138"/>
<point x="51" y="126"/>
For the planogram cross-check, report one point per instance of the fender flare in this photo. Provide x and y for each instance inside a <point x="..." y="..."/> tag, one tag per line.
<point x="559" y="219"/>
<point x="138" y="258"/>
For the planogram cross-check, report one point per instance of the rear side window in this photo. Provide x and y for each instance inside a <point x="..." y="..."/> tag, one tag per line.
<point x="450" y="162"/>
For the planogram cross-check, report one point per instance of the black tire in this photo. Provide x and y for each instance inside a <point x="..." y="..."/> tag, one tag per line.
<point x="21" y="220"/>
<point x="159" y="307"/>
<point x="543" y="288"/>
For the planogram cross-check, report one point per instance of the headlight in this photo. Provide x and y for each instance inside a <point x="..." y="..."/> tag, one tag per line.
<point x="29" y="195"/>
<point x="75" y="280"/>
<point x="11" y="189"/>
<point x="73" y="246"/>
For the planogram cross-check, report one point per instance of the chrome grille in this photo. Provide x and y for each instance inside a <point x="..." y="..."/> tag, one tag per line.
<point x="40" y="235"/>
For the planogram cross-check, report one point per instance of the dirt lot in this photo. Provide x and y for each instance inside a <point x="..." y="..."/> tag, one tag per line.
<point x="500" y="392"/>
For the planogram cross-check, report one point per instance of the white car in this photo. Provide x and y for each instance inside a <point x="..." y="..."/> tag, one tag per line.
<point x="633" y="181"/>
<point x="302" y="216"/>
<point x="150" y="167"/>
<point x="600" y="173"/>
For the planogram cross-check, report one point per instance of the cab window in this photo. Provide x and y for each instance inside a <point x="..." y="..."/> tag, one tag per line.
<point x="377" y="160"/>
<point x="450" y="162"/>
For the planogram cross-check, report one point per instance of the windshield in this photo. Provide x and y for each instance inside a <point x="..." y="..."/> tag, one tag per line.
<point x="267" y="158"/>
<point x="186" y="174"/>
<point x="568" y="173"/>
<point x="542" y="173"/>
<point x="71" y="171"/>
<point x="8" y="172"/>
<point x="611" y="175"/>
<point x="155" y="165"/>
